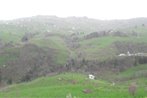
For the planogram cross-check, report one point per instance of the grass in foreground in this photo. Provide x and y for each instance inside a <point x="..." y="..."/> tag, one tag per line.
<point x="61" y="86"/>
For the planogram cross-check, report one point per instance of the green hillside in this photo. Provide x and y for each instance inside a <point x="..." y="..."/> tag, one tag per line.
<point x="34" y="48"/>
<point x="56" y="43"/>
<point x="70" y="84"/>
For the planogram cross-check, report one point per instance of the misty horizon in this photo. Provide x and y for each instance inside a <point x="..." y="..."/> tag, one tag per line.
<point x="96" y="9"/>
<point x="70" y="17"/>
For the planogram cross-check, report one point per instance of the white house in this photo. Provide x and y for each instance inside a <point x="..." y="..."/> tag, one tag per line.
<point x="128" y="53"/>
<point x="122" y="54"/>
<point x="92" y="77"/>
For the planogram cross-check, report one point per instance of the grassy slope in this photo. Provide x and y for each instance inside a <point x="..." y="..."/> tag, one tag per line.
<point x="137" y="73"/>
<point x="101" y="48"/>
<point x="14" y="34"/>
<point x="56" y="43"/>
<point x="11" y="33"/>
<point x="8" y="55"/>
<point x="92" y="48"/>
<point x="52" y="87"/>
<point x="135" y="70"/>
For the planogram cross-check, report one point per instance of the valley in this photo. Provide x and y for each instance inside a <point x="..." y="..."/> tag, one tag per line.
<point x="51" y="57"/>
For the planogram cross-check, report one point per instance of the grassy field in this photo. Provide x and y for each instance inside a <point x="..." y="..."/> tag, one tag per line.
<point x="70" y="84"/>
<point x="102" y="48"/>
<point x="137" y="73"/>
<point x="56" y="43"/>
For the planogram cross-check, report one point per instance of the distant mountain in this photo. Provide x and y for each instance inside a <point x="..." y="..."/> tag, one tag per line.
<point x="72" y="24"/>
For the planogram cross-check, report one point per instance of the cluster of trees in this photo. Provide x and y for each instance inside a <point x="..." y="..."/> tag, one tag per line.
<point x="28" y="36"/>
<point x="116" y="65"/>
<point x="110" y="33"/>
<point x="33" y="62"/>
<point x="30" y="62"/>
<point x="124" y="47"/>
<point x="73" y="41"/>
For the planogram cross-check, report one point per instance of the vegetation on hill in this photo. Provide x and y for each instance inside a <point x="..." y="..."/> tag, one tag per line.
<point x="33" y="47"/>
<point x="71" y="84"/>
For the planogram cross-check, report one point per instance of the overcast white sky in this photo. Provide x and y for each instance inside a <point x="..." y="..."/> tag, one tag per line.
<point x="99" y="9"/>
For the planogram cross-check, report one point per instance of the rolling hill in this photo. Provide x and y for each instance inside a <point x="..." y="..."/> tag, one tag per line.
<point x="37" y="46"/>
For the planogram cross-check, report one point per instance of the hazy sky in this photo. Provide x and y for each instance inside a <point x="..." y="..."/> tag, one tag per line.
<point x="99" y="9"/>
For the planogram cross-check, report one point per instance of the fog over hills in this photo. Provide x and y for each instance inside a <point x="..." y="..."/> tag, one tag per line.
<point x="44" y="46"/>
